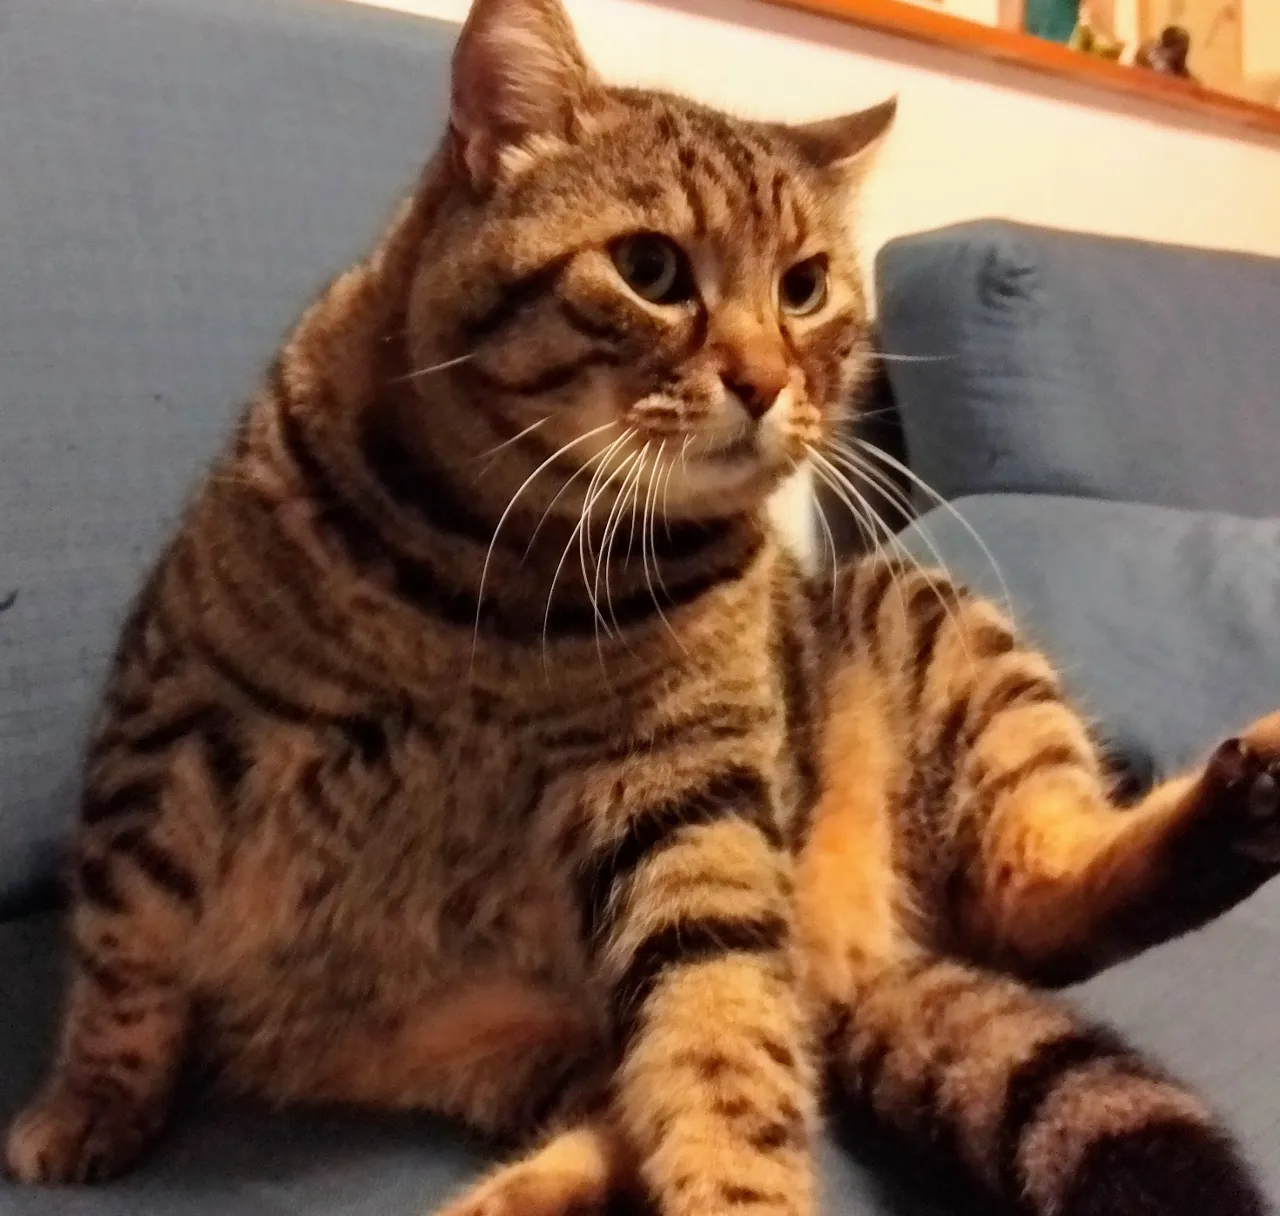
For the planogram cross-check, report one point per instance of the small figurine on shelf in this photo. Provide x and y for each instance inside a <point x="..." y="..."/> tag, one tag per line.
<point x="1091" y="39"/>
<point x="1083" y="25"/>
<point x="1167" y="54"/>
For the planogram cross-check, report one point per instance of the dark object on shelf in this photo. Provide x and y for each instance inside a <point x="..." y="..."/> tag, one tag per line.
<point x="1091" y="39"/>
<point x="1168" y="53"/>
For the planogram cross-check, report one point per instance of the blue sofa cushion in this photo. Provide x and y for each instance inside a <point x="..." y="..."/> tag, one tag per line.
<point x="1165" y="623"/>
<point x="1069" y="364"/>
<point x="176" y="178"/>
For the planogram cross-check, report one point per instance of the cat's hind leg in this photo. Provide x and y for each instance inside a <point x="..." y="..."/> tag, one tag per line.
<point x="1055" y="1116"/>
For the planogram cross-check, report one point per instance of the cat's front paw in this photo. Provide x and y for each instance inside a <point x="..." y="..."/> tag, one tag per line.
<point x="66" y="1136"/>
<point x="1241" y="787"/>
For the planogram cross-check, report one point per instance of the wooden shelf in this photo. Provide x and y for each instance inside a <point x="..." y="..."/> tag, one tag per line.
<point x="1039" y="55"/>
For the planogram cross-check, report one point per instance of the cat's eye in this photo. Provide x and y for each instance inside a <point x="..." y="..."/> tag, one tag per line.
<point x="654" y="268"/>
<point x="803" y="289"/>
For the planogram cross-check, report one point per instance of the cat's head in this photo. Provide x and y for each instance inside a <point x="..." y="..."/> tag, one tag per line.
<point x="666" y="294"/>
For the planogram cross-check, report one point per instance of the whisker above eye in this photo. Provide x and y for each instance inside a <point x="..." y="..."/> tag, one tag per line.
<point x="889" y="357"/>
<point x="944" y="504"/>
<point x="506" y="443"/>
<point x="418" y="373"/>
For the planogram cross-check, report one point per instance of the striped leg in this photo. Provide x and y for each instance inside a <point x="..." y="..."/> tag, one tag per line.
<point x="1064" y="883"/>
<point x="937" y="721"/>
<point x="1056" y="1117"/>
<point x="688" y="901"/>
<point x="119" y="1054"/>
<point x="1013" y="845"/>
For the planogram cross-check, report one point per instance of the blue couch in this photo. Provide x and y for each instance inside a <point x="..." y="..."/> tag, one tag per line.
<point x="177" y="176"/>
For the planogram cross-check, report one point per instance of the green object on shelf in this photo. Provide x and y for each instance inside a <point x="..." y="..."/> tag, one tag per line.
<point x="1055" y="20"/>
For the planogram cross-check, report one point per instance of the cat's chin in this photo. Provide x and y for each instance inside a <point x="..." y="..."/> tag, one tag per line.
<point x="716" y="488"/>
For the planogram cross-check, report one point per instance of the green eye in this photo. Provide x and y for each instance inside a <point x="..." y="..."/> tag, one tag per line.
<point x="803" y="289"/>
<point x="654" y="268"/>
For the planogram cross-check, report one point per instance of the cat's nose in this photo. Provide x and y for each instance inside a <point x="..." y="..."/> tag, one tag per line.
<point x="756" y="387"/>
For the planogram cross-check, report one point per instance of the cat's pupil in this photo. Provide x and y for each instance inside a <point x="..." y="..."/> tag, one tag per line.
<point x="648" y="267"/>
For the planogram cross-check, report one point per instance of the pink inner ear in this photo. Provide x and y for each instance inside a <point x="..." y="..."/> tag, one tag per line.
<point x="517" y="68"/>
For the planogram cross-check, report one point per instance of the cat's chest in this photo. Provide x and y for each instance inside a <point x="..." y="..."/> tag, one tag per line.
<point x="429" y="854"/>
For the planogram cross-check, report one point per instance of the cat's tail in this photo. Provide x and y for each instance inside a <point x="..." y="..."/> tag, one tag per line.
<point x="1058" y="1117"/>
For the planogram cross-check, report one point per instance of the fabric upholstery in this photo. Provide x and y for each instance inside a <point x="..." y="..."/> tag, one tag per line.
<point x="1069" y="364"/>
<point x="1202" y="1006"/>
<point x="177" y="177"/>
<point x="1163" y="621"/>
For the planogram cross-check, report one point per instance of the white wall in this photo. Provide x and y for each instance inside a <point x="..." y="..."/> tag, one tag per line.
<point x="985" y="12"/>
<point x="973" y="139"/>
<point x="1261" y="37"/>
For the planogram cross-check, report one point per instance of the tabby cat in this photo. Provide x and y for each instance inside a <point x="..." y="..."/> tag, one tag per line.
<point x="476" y="747"/>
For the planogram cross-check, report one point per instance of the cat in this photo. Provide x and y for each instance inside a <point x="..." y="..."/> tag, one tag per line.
<point x="476" y="746"/>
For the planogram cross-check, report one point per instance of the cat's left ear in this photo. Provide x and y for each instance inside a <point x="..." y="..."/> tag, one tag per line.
<point x="848" y="142"/>
<point x="520" y="79"/>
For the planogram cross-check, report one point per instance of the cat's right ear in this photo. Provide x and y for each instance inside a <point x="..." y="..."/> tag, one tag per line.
<point x="519" y="80"/>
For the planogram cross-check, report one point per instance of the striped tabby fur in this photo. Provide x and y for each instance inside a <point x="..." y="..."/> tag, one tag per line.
<point x="475" y="747"/>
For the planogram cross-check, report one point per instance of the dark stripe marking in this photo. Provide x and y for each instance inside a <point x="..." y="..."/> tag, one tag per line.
<point x="718" y="722"/>
<point x="1013" y="691"/>
<point x="736" y="793"/>
<point x="1031" y="1084"/>
<point x="1052" y="755"/>
<point x="930" y="607"/>
<point x="96" y="884"/>
<point x="549" y="380"/>
<point x="688" y="943"/>
<point x="141" y="795"/>
<point x="594" y="325"/>
<point x="873" y="597"/>
<point x="788" y="1134"/>
<point x="100" y="974"/>
<point x="512" y="298"/>
<point x="417" y="486"/>
<point x="739" y="1196"/>
<point x="158" y="864"/>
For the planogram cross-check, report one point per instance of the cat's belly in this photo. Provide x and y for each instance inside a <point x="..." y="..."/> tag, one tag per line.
<point x="315" y="934"/>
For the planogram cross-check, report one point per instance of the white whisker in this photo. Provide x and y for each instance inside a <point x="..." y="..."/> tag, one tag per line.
<point x="647" y="542"/>
<point x="506" y="443"/>
<point x="871" y="450"/>
<point x="616" y="514"/>
<point x="886" y="357"/>
<point x="583" y="517"/>
<point x="630" y="468"/>
<point x="831" y="546"/>
<point x="601" y="455"/>
<point x="418" y="373"/>
<point x="843" y="489"/>
<point x="928" y="575"/>
<point x="584" y="535"/>
<point x="502" y="519"/>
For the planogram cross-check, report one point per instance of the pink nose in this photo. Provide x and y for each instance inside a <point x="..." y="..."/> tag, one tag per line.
<point x="756" y="394"/>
